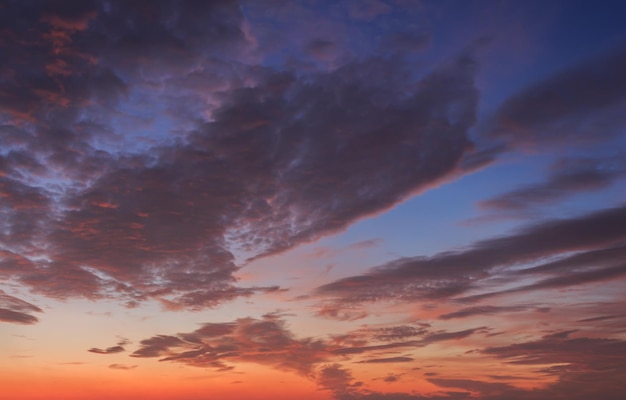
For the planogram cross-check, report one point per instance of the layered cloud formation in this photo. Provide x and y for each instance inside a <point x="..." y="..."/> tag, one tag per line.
<point x="165" y="155"/>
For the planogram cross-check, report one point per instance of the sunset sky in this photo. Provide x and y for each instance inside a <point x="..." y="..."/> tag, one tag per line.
<point x="313" y="200"/>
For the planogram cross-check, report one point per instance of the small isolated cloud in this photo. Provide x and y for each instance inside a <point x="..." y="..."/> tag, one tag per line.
<point x="391" y="378"/>
<point x="122" y="366"/>
<point x="108" y="350"/>
<point x="17" y="311"/>
<point x="113" y="349"/>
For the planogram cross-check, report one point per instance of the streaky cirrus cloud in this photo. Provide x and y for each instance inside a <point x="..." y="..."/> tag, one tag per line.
<point x="451" y="274"/>
<point x="581" y="104"/>
<point x="486" y="310"/>
<point x="17" y="311"/>
<point x="576" y="107"/>
<point x="566" y="177"/>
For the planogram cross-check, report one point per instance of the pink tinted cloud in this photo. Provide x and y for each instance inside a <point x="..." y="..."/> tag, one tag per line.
<point x="17" y="311"/>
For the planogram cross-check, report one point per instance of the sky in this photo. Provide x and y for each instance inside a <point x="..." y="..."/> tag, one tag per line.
<point x="322" y="200"/>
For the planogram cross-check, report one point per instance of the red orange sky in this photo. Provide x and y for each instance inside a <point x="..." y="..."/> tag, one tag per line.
<point x="322" y="200"/>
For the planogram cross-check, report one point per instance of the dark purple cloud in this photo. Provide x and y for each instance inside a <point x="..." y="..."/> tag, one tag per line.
<point x="17" y="311"/>
<point x="567" y="177"/>
<point x="578" y="107"/>
<point x="72" y="64"/>
<point x="451" y="274"/>
<point x="273" y="159"/>
<point x="581" y="105"/>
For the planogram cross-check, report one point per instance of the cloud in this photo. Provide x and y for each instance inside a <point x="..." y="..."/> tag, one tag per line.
<point x="113" y="349"/>
<point x="567" y="356"/>
<point x="390" y="378"/>
<point x="108" y="350"/>
<point x="486" y="389"/>
<point x="481" y="310"/>
<point x="268" y="342"/>
<point x="590" y="237"/>
<point x="122" y="366"/>
<point x="408" y="41"/>
<point x="584" y="366"/>
<point x="600" y="318"/>
<point x="17" y="317"/>
<point x="17" y="311"/>
<point x="581" y="104"/>
<point x="367" y="10"/>
<point x="59" y="125"/>
<point x="401" y="396"/>
<point x="567" y="177"/>
<point x="242" y="158"/>
<point x="335" y="378"/>
<point x="263" y="341"/>
<point x="386" y="360"/>
<point x="598" y="269"/>
<point x="427" y="339"/>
